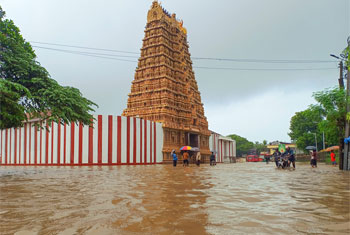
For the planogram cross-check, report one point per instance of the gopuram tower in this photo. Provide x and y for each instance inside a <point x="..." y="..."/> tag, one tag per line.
<point x="164" y="88"/>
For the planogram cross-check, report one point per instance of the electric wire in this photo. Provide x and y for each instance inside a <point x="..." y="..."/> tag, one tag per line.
<point x="112" y="57"/>
<point x="199" y="58"/>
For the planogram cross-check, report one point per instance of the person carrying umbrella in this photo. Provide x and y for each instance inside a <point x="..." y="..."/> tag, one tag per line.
<point x="185" y="158"/>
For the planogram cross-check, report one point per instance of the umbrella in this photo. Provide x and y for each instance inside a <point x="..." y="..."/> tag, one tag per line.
<point x="310" y="148"/>
<point x="195" y="149"/>
<point x="185" y="148"/>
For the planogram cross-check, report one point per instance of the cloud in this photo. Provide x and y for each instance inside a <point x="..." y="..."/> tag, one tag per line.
<point x="264" y="116"/>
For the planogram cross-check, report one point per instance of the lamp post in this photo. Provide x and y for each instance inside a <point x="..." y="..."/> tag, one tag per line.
<point x="315" y="141"/>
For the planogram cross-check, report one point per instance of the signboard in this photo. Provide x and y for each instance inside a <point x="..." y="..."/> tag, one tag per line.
<point x="282" y="148"/>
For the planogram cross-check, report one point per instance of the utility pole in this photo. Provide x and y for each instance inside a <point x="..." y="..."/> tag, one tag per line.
<point x="316" y="142"/>
<point x="346" y="165"/>
<point x="340" y="80"/>
<point x="343" y="148"/>
<point x="323" y="140"/>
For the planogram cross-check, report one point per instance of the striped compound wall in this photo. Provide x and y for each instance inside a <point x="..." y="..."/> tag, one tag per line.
<point x="223" y="148"/>
<point x="111" y="140"/>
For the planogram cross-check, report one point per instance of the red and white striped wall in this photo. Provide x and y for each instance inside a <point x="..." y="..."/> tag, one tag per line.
<point x="110" y="140"/>
<point x="223" y="147"/>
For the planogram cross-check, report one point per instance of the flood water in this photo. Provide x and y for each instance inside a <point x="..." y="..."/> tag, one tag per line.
<point x="240" y="198"/>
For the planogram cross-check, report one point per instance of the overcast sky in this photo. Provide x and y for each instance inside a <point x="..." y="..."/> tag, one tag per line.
<point x="256" y="104"/>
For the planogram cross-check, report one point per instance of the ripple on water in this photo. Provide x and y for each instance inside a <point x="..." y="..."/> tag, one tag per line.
<point x="225" y="199"/>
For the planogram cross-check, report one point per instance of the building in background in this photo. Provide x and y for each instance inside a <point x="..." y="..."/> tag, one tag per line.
<point x="278" y="144"/>
<point x="223" y="147"/>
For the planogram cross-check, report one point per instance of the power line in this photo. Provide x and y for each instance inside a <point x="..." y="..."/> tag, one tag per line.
<point x="89" y="48"/>
<point x="257" y="69"/>
<point x="112" y="57"/>
<point x="198" y="58"/>
<point x="84" y="54"/>
<point x="265" y="61"/>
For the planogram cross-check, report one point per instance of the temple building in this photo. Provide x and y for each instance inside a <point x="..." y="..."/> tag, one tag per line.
<point x="164" y="88"/>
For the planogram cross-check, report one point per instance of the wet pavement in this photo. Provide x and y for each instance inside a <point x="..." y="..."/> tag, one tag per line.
<point x="240" y="198"/>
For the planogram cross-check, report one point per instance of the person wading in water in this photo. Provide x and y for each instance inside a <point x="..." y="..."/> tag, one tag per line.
<point x="185" y="158"/>
<point x="173" y="154"/>
<point x="198" y="158"/>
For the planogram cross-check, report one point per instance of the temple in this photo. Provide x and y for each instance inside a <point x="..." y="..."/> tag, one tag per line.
<point x="164" y="88"/>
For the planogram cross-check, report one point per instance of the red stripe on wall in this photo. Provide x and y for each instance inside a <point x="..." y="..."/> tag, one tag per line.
<point x="19" y="145"/>
<point x="119" y="143"/>
<point x="10" y="149"/>
<point x="6" y="136"/>
<point x="15" y="146"/>
<point x="221" y="152"/>
<point x="127" y="140"/>
<point x="140" y="140"/>
<point x="25" y="145"/>
<point x="72" y="129"/>
<point x="155" y="143"/>
<point x="80" y="143"/>
<point x="110" y="138"/>
<point x="41" y="142"/>
<point x="64" y="143"/>
<point x="229" y="149"/>
<point x="30" y="144"/>
<point x="134" y="144"/>
<point x="35" y="145"/>
<point x="99" y="139"/>
<point x="52" y="136"/>
<point x="145" y="150"/>
<point x="91" y="141"/>
<point x="47" y="144"/>
<point x="58" y="143"/>
<point x="150" y="143"/>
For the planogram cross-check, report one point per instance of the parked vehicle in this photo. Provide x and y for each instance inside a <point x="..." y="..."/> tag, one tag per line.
<point x="253" y="158"/>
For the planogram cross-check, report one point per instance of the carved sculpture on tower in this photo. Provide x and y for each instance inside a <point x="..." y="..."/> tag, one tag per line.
<point x="164" y="88"/>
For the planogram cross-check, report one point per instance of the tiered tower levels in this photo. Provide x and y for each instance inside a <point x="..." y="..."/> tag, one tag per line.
<point x="164" y="88"/>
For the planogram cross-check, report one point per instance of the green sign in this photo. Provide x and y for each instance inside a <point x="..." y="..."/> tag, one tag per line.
<point x="282" y="148"/>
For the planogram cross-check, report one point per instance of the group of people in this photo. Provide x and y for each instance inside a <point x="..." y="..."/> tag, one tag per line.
<point x="285" y="159"/>
<point x="186" y="156"/>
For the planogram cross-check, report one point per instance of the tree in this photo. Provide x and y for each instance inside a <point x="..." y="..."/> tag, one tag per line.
<point x="242" y="144"/>
<point x="260" y="147"/>
<point x="327" y="117"/>
<point x="26" y="88"/>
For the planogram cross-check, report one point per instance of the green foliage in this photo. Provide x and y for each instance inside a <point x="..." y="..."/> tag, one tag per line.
<point x="26" y="87"/>
<point x="242" y="144"/>
<point x="327" y="116"/>
<point x="260" y="147"/>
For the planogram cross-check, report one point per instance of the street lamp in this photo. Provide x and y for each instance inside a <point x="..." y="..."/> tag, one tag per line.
<point x="315" y="140"/>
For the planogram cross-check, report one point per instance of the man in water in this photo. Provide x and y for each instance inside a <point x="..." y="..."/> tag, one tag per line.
<point x="291" y="157"/>
<point x="198" y="158"/>
<point x="185" y="158"/>
<point x="277" y="155"/>
<point x="212" y="159"/>
<point x="334" y="162"/>
<point x="173" y="154"/>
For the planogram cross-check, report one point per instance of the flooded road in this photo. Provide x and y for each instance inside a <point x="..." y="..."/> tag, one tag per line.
<point x="237" y="198"/>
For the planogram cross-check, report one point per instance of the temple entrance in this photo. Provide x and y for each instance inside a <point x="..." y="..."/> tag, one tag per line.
<point x="192" y="140"/>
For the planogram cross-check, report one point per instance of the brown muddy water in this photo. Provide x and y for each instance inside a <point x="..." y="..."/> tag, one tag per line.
<point x="242" y="198"/>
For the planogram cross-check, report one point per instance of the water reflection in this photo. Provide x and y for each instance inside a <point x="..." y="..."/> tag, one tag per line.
<point x="225" y="199"/>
